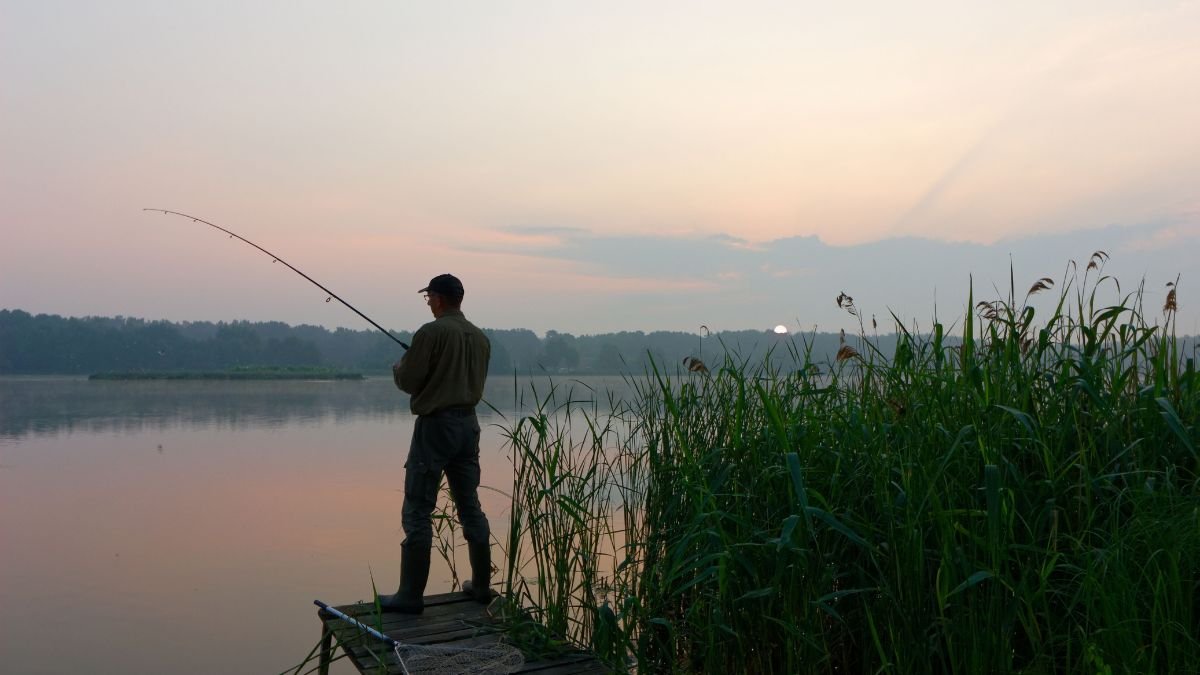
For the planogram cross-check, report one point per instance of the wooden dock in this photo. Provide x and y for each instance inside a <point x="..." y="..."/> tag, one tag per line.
<point x="449" y="619"/>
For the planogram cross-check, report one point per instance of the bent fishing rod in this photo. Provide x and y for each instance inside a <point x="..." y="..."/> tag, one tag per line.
<point x="276" y="258"/>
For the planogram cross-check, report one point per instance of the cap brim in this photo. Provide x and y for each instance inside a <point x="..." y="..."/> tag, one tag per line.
<point x="424" y="290"/>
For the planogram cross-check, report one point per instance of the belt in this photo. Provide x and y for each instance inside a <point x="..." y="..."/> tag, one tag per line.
<point x="453" y="411"/>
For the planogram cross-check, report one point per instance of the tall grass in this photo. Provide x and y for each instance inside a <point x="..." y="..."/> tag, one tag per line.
<point x="1023" y="498"/>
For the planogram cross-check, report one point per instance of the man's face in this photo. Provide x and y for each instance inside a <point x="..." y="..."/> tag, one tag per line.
<point x="436" y="303"/>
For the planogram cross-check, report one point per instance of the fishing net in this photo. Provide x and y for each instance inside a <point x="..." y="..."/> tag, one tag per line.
<point x="448" y="660"/>
<point x="489" y="658"/>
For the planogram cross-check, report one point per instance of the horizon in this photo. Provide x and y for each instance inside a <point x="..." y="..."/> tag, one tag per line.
<point x="879" y="331"/>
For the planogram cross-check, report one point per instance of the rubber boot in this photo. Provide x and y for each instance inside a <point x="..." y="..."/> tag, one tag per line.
<point x="479" y="587"/>
<point x="414" y="573"/>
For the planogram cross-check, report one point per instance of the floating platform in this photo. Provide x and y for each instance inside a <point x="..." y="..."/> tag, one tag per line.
<point x="449" y="620"/>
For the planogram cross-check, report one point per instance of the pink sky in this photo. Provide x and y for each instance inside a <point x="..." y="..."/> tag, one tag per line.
<point x="375" y="146"/>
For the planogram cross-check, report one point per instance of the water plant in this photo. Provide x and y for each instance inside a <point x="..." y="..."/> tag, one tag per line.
<point x="1020" y="497"/>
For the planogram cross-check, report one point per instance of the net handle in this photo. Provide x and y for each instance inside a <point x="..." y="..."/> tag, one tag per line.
<point x="362" y="626"/>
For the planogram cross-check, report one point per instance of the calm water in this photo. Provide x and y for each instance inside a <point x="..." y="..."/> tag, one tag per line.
<point x="186" y="527"/>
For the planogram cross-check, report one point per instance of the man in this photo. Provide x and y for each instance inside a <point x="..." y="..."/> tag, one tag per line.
<point x="443" y="372"/>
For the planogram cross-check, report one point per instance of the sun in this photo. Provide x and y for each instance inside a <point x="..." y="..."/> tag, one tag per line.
<point x="781" y="329"/>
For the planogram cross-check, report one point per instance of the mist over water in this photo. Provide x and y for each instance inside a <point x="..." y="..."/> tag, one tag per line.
<point x="186" y="527"/>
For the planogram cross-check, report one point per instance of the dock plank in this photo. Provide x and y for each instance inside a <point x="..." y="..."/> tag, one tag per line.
<point x="570" y="665"/>
<point x="449" y="619"/>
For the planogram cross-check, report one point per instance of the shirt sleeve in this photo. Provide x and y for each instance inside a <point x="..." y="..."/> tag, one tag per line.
<point x="412" y="372"/>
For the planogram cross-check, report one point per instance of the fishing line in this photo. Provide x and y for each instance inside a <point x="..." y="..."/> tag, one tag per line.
<point x="276" y="258"/>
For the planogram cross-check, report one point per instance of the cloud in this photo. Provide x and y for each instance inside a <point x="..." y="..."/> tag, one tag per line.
<point x="596" y="282"/>
<point x="776" y="272"/>
<point x="600" y="284"/>
<point x="547" y="229"/>
<point x="1172" y="235"/>
<point x="518" y="239"/>
<point x="738" y="243"/>
<point x="648" y="256"/>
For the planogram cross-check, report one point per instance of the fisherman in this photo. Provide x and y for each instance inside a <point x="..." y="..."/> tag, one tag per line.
<point x="443" y="372"/>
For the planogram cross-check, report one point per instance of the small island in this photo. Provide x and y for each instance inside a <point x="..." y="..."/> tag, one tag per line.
<point x="236" y="373"/>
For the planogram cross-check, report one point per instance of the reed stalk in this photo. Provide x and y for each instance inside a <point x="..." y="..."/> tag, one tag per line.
<point x="1023" y="498"/>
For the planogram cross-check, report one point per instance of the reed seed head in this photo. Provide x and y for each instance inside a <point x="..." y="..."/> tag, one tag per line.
<point x="989" y="310"/>
<point x="1170" y="305"/>
<point x="847" y="303"/>
<point x="1043" y="284"/>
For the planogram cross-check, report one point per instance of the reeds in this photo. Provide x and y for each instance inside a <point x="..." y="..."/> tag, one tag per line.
<point x="1021" y="499"/>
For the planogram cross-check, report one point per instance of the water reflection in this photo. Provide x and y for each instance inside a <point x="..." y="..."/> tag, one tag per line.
<point x="186" y="527"/>
<point x="53" y="405"/>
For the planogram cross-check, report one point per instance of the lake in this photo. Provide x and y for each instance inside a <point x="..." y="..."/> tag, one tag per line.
<point x="186" y="527"/>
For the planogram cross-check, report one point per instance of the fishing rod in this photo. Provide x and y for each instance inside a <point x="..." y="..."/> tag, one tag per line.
<point x="276" y="258"/>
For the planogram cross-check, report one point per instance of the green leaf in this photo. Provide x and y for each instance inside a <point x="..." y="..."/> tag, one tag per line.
<point x="1020" y="416"/>
<point x="708" y="573"/>
<point x="972" y="580"/>
<point x="797" y="473"/>
<point x="843" y="593"/>
<point x="838" y="525"/>
<point x="758" y="593"/>
<point x="789" y="527"/>
<point x="1176" y="424"/>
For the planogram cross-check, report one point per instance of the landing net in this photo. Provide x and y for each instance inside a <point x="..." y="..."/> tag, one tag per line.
<point x="486" y="659"/>
<point x="447" y="660"/>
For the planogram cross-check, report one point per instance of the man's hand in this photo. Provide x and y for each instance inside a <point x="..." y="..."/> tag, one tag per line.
<point x="396" y="373"/>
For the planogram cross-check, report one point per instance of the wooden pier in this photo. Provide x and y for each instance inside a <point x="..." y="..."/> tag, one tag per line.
<point x="449" y="619"/>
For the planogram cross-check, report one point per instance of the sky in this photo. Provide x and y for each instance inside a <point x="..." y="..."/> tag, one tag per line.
<point x="595" y="167"/>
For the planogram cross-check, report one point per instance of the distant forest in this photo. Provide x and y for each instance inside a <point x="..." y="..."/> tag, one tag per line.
<point x="52" y="344"/>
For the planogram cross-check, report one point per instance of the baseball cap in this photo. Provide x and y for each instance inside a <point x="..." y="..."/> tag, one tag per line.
<point x="445" y="284"/>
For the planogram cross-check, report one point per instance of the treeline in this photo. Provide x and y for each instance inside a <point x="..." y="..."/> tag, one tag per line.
<point x="52" y="344"/>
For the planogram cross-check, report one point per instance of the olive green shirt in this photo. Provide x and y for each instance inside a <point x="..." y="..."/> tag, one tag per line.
<point x="445" y="366"/>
